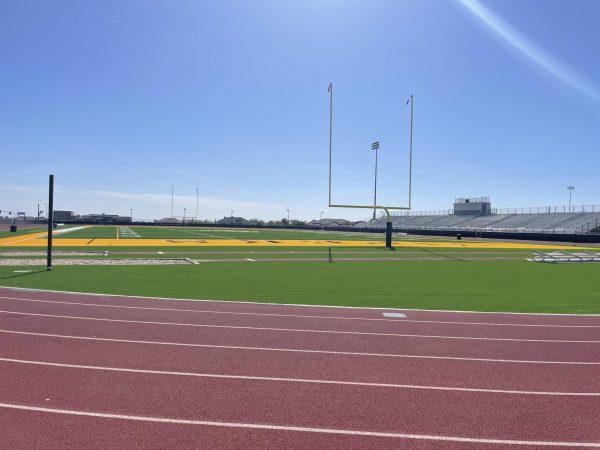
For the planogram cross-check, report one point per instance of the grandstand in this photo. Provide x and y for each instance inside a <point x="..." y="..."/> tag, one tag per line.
<point x="476" y="214"/>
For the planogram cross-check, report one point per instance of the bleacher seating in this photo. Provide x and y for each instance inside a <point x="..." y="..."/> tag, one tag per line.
<point x="549" y="222"/>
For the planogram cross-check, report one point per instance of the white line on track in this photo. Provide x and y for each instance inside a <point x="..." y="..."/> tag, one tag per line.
<point x="334" y="431"/>
<point x="292" y="350"/>
<point x="300" y="330"/>
<point x="300" y="305"/>
<point x="300" y="316"/>
<point x="299" y="380"/>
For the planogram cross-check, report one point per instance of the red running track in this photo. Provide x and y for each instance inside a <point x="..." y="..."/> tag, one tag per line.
<point x="120" y="372"/>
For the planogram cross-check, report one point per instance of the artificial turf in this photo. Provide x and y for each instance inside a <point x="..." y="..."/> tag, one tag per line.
<point x="517" y="286"/>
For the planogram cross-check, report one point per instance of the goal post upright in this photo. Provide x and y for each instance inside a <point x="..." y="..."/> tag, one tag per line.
<point x="386" y="209"/>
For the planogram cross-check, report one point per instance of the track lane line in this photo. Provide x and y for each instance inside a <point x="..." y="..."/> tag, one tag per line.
<point x="301" y="316"/>
<point x="291" y="428"/>
<point x="298" y="330"/>
<point x="301" y="305"/>
<point x="299" y="380"/>
<point x="291" y="350"/>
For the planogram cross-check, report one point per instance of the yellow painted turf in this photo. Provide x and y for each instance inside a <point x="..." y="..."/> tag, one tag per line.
<point x="38" y="240"/>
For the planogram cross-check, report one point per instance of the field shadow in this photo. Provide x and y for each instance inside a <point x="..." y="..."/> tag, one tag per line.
<point x="17" y="275"/>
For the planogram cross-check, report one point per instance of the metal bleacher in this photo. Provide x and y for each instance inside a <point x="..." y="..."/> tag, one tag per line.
<point x="582" y="221"/>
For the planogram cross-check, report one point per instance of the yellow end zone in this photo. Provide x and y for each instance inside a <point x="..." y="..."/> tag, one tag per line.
<point x="38" y="240"/>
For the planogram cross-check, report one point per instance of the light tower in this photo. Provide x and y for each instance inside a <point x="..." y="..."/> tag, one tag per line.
<point x="570" y="188"/>
<point x="375" y="146"/>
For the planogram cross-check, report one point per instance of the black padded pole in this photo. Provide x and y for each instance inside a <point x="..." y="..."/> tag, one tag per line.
<point x="388" y="234"/>
<point x="50" y="220"/>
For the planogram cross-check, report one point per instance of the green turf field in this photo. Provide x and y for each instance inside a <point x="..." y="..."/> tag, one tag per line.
<point x="178" y="232"/>
<point x="518" y="286"/>
<point x="21" y="231"/>
<point x="455" y="278"/>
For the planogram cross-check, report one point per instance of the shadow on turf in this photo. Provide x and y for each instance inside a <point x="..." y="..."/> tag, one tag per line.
<point x="17" y="275"/>
<point x="453" y="258"/>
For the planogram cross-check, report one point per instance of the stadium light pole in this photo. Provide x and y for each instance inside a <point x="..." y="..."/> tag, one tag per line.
<point x="288" y="214"/>
<point x="184" y="211"/>
<point x="375" y="146"/>
<point x="411" y="99"/>
<point x="131" y="214"/>
<point x="570" y="188"/>
<point x="171" y="200"/>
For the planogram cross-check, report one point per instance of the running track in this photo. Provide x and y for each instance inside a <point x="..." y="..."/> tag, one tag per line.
<point x="83" y="371"/>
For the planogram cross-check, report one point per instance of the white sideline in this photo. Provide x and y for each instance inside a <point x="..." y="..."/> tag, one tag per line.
<point x="301" y="316"/>
<point x="249" y="302"/>
<point x="299" y="330"/>
<point x="300" y="380"/>
<point x="335" y="431"/>
<point x="292" y="350"/>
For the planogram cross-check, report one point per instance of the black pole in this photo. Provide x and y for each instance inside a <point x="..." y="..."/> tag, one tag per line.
<point x="388" y="234"/>
<point x="50" y="214"/>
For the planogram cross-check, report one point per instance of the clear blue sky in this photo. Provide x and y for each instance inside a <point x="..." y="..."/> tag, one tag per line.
<point x="120" y="99"/>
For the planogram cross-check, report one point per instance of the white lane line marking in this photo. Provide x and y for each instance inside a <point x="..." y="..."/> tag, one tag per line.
<point x="292" y="350"/>
<point x="22" y="271"/>
<point x="301" y="316"/>
<point x="301" y="305"/>
<point x="249" y="259"/>
<point x="397" y="315"/>
<point x="300" y="330"/>
<point x="335" y="431"/>
<point x="299" y="380"/>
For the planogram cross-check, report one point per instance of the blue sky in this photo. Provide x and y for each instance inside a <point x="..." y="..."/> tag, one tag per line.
<point x="121" y="99"/>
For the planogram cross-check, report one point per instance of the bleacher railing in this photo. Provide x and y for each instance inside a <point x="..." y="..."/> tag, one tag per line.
<point x="548" y="209"/>
<point x="523" y="210"/>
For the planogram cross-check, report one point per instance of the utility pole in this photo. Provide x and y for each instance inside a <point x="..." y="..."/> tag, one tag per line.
<point x="171" y="200"/>
<point x="196" y="204"/>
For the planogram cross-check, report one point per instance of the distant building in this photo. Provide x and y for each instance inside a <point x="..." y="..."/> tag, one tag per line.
<point x="64" y="215"/>
<point x="232" y="220"/>
<point x="477" y="206"/>
<point x="168" y="220"/>
<point x="104" y="218"/>
<point x="331" y="223"/>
